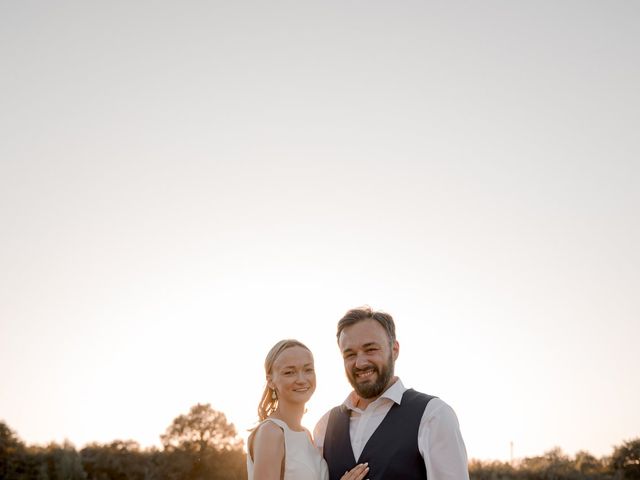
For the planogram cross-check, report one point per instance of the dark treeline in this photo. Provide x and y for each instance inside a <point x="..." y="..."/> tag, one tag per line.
<point x="203" y="445"/>
<point x="200" y="445"/>
<point x="623" y="464"/>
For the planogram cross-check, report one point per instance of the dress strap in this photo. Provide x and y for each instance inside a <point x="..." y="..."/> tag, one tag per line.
<point x="278" y="422"/>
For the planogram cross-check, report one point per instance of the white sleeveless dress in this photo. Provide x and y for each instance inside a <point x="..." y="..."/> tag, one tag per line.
<point x="302" y="459"/>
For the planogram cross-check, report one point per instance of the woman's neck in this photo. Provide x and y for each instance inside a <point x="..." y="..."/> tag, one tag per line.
<point x="291" y="414"/>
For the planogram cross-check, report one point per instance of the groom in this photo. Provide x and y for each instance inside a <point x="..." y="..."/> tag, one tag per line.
<point x="401" y="433"/>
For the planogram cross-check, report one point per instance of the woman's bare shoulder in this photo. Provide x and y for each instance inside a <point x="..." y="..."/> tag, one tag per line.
<point x="267" y="437"/>
<point x="269" y="431"/>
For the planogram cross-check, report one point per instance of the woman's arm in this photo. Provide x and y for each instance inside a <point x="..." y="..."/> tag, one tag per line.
<point x="268" y="452"/>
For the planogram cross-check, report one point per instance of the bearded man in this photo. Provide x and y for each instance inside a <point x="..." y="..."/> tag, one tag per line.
<point x="399" y="432"/>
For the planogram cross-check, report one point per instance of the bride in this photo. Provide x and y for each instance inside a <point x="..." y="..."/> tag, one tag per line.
<point x="280" y="448"/>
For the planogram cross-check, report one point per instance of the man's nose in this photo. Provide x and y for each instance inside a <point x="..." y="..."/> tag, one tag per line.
<point x="361" y="361"/>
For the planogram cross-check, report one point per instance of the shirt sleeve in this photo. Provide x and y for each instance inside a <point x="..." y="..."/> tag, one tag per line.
<point x="440" y="443"/>
<point x="320" y="430"/>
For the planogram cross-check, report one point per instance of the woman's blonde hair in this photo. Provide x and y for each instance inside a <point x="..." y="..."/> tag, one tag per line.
<point x="268" y="403"/>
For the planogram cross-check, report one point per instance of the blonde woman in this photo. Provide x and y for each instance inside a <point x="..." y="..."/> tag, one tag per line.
<point x="280" y="448"/>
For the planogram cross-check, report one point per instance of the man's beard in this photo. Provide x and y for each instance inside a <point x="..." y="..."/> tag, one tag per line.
<point x="372" y="390"/>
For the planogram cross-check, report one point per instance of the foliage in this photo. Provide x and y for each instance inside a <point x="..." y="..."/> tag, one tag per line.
<point x="626" y="459"/>
<point x="203" y="445"/>
<point x="119" y="460"/>
<point x="200" y="444"/>
<point x="56" y="462"/>
<point x="552" y="465"/>
<point x="202" y="429"/>
<point x="11" y="452"/>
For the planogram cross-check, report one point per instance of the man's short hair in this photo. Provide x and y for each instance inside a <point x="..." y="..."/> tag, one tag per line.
<point x="365" y="312"/>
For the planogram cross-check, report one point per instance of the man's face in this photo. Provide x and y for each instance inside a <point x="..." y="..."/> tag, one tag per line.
<point x="368" y="357"/>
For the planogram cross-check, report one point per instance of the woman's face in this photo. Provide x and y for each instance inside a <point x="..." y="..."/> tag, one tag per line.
<point x="293" y="376"/>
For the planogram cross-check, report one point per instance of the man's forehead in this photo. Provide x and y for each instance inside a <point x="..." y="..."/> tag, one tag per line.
<point x="362" y="333"/>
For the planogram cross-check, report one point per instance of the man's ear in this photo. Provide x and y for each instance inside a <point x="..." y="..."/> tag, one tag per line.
<point x="395" y="348"/>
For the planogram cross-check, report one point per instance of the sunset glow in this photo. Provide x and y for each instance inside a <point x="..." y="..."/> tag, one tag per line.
<point x="182" y="185"/>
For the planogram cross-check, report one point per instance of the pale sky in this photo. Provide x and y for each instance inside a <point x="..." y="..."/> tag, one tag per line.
<point x="182" y="184"/>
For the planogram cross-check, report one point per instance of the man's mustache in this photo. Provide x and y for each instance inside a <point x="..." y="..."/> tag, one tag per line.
<point x="355" y="370"/>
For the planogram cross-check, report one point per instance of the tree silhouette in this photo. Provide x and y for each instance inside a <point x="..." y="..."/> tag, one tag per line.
<point x="11" y="451"/>
<point x="119" y="460"/>
<point x="202" y="445"/>
<point x="57" y="461"/>
<point x="201" y="429"/>
<point x="587" y="464"/>
<point x="626" y="459"/>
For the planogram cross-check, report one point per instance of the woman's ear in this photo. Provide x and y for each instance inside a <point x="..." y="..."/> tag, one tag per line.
<point x="270" y="382"/>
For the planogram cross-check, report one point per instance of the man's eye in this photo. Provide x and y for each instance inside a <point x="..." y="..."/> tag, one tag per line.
<point x="310" y="370"/>
<point x="288" y="372"/>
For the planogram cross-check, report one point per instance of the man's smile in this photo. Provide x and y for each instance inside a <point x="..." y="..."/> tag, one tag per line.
<point x="365" y="374"/>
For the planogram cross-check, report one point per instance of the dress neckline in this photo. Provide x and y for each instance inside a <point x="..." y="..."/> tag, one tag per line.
<point x="284" y="424"/>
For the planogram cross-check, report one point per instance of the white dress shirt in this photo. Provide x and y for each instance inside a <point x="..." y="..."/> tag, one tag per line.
<point x="439" y="440"/>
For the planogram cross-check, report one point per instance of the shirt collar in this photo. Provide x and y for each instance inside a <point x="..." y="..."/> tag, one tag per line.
<point x="393" y="393"/>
